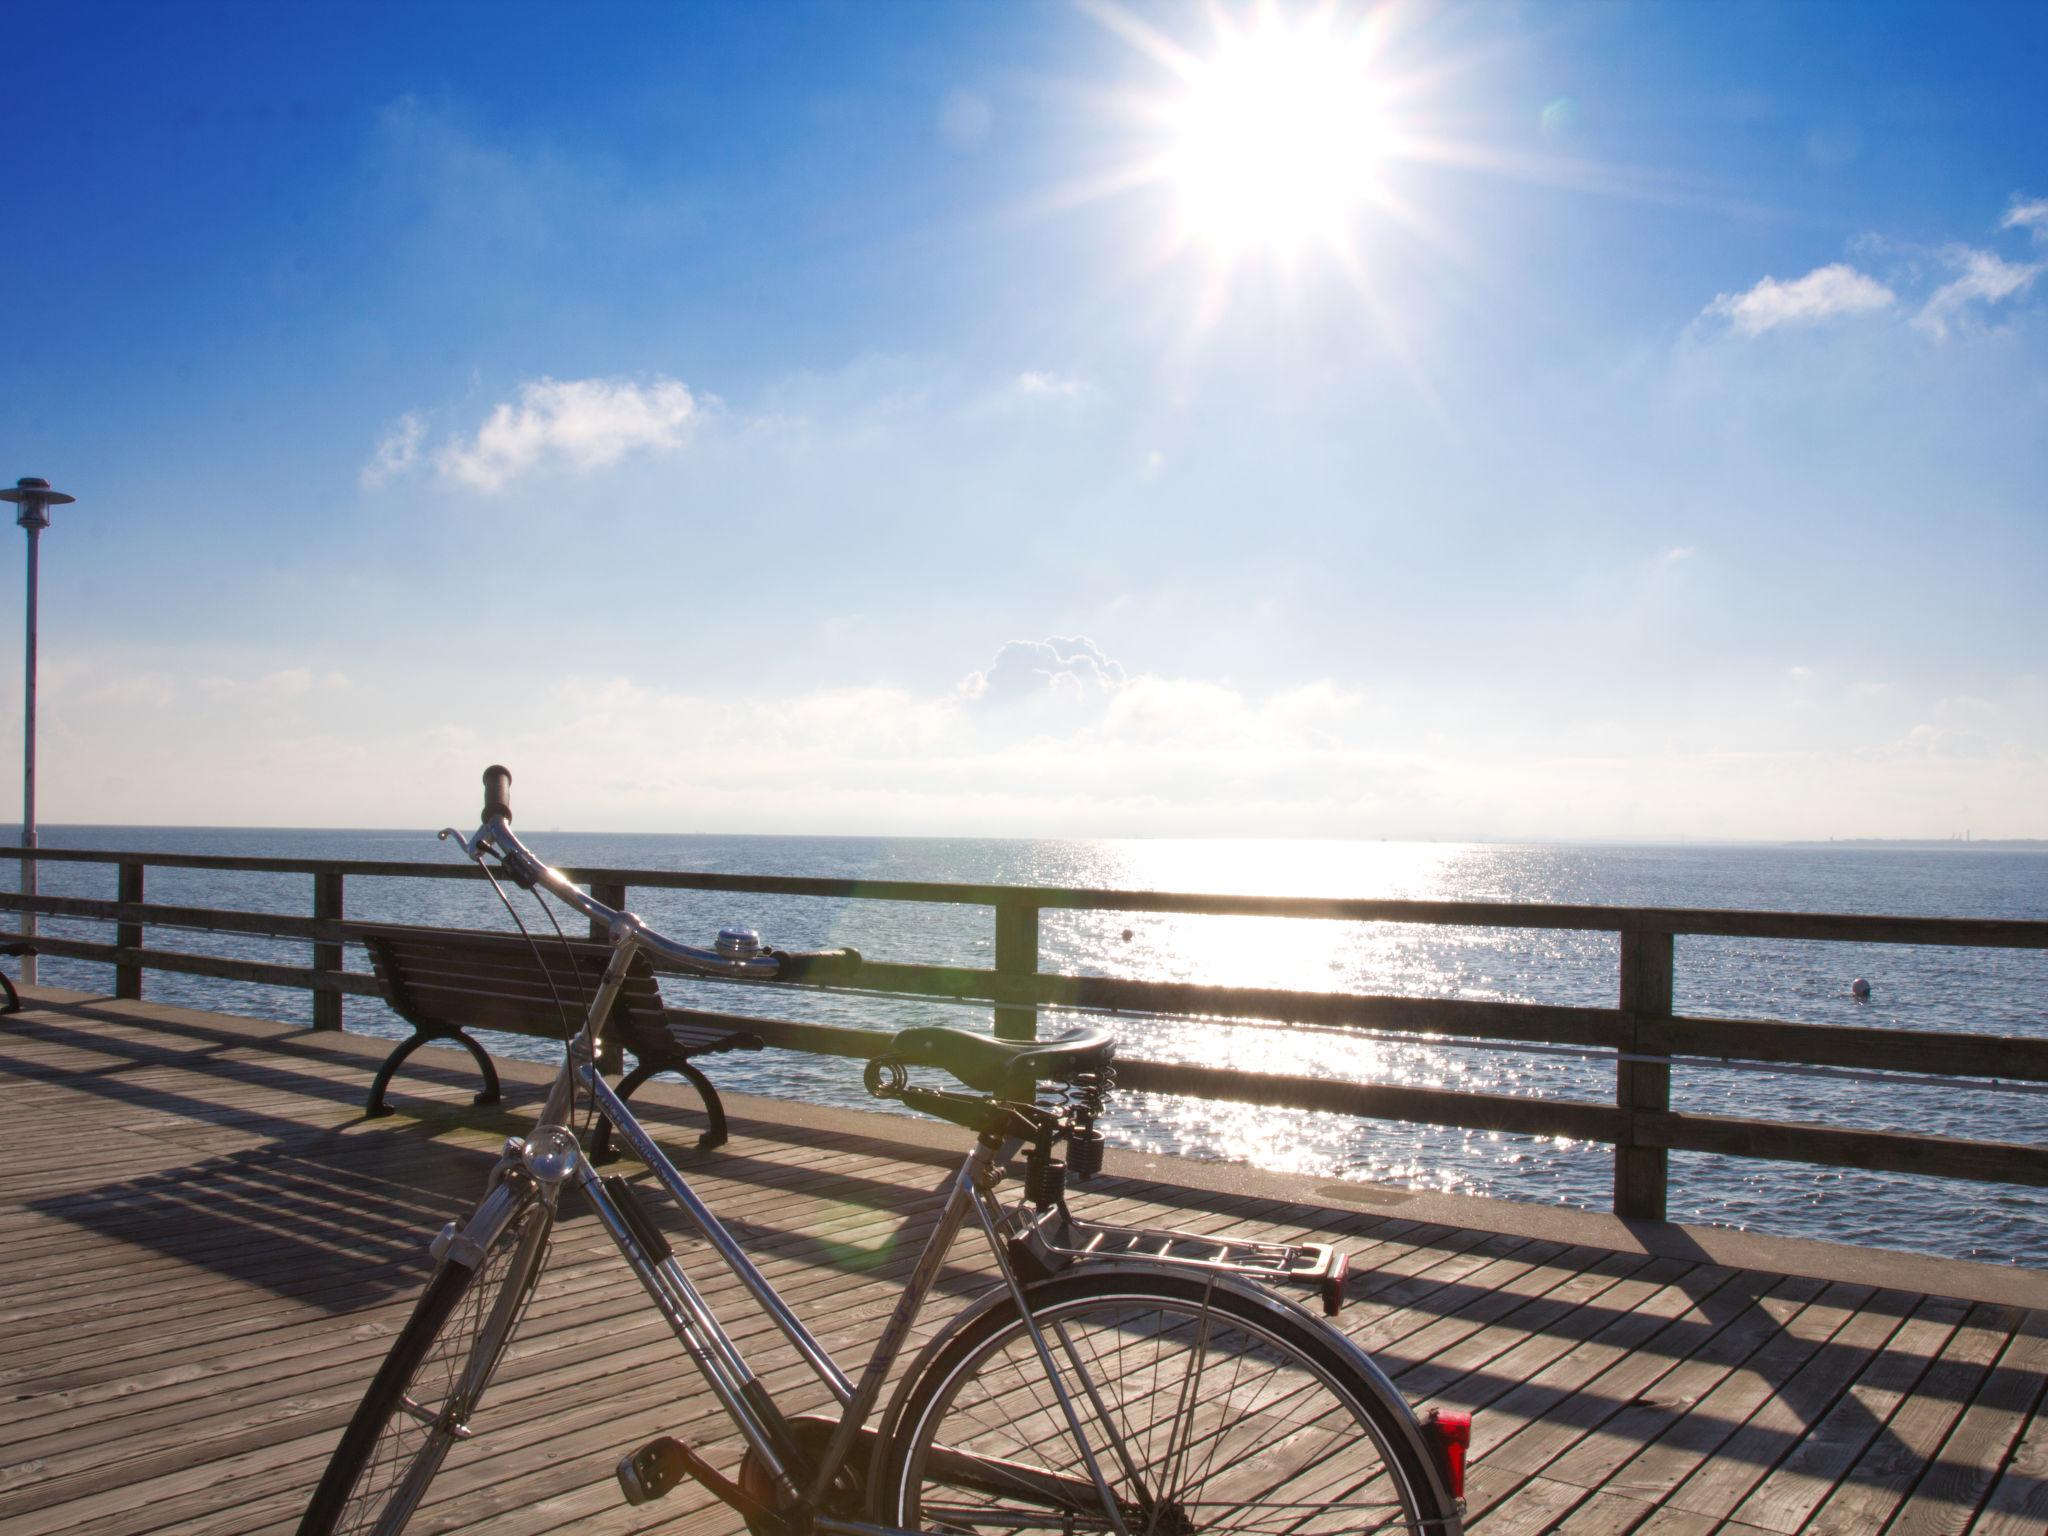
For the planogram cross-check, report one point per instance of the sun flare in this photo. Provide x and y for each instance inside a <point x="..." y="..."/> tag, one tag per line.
<point x="1277" y="138"/>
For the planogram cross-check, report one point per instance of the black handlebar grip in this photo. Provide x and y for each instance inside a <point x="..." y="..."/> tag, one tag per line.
<point x="497" y="793"/>
<point x="828" y="965"/>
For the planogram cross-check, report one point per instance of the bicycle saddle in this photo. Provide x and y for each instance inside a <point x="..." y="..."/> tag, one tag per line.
<point x="1008" y="1067"/>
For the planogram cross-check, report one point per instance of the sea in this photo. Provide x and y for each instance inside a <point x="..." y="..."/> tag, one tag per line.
<point x="2000" y="992"/>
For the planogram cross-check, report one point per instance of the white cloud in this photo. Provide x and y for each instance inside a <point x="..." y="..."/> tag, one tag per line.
<point x="1986" y="279"/>
<point x="2028" y="213"/>
<point x="584" y="423"/>
<point x="1061" y="665"/>
<point x="397" y="453"/>
<point x="1939" y="741"/>
<point x="1823" y="294"/>
<point x="1681" y="553"/>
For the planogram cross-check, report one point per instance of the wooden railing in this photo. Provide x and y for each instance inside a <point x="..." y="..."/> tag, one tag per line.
<point x="1644" y="1036"/>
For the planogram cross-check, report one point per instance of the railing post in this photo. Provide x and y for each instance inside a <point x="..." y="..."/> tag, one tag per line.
<point x="1016" y="956"/>
<point x="27" y="888"/>
<point x="128" y="978"/>
<point x="611" y="1056"/>
<point x="1641" y="1174"/>
<point x="327" y="906"/>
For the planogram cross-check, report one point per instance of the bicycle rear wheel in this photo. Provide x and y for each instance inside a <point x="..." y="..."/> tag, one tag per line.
<point x="1206" y="1409"/>
<point x="430" y="1384"/>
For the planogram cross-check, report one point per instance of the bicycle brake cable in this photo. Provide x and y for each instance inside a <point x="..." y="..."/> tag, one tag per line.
<point x="585" y="998"/>
<point x="547" y="974"/>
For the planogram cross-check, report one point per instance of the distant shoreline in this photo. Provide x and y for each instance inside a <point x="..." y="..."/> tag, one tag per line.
<point x="1928" y="844"/>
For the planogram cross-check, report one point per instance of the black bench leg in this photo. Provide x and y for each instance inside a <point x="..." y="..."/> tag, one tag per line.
<point x="714" y="1108"/>
<point x="376" y="1105"/>
<point x="484" y="1065"/>
<point x="601" y="1138"/>
<point x="13" y="997"/>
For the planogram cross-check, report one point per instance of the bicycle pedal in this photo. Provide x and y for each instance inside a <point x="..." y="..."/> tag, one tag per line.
<point x="648" y="1473"/>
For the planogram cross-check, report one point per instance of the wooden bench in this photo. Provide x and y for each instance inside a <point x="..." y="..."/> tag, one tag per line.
<point x="447" y="981"/>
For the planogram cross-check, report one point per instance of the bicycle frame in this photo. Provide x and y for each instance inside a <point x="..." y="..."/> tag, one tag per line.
<point x="704" y="1338"/>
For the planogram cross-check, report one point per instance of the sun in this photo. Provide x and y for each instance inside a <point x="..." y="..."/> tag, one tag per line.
<point x="1285" y="150"/>
<point x="1276" y="138"/>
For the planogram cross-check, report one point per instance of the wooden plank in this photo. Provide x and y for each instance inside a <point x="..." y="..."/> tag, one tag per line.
<point x="1875" y="1486"/>
<point x="1785" y="1499"/>
<point x="1947" y="1496"/>
<point x="1784" y="1416"/>
<point x="1376" y="1101"/>
<point x="1951" y="1157"/>
<point x="1555" y="1409"/>
<point x="298" y="977"/>
<point x="1707" y="1427"/>
<point x="1881" y="1048"/>
<point x="1651" y="1409"/>
<point x="1617" y="1292"/>
<point x="137" y="913"/>
<point x="2018" y="1503"/>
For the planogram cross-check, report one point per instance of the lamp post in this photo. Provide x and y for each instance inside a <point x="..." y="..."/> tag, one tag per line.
<point x="34" y="498"/>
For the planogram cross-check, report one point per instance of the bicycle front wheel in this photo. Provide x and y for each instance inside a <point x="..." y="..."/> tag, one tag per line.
<point x="429" y="1386"/>
<point x="1204" y="1408"/>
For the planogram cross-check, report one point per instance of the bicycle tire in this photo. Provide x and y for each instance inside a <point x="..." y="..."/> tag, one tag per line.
<point x="1233" y="1411"/>
<point x="412" y="1414"/>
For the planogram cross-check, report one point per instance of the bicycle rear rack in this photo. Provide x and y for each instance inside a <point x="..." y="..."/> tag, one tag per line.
<point x="1057" y="1238"/>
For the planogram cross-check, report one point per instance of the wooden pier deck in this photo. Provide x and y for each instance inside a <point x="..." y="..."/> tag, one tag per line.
<point x="206" y="1251"/>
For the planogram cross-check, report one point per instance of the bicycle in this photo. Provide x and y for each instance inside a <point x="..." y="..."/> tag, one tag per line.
<point x="1132" y="1381"/>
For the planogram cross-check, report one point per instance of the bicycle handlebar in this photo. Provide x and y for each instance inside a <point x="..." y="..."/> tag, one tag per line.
<point x="495" y="835"/>
<point x="497" y="794"/>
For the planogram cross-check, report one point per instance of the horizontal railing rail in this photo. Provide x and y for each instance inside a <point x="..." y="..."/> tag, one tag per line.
<point x="1641" y="1036"/>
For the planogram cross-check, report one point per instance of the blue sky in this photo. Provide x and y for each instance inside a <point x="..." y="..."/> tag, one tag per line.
<point x="834" y="418"/>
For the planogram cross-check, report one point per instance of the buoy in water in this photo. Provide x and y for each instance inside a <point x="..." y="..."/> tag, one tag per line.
<point x="1127" y="935"/>
<point x="1859" y="988"/>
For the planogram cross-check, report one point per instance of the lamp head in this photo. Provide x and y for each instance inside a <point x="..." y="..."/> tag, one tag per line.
<point x="35" y="498"/>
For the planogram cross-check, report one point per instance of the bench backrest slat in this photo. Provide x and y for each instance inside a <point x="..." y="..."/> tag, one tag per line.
<point x="440" y="979"/>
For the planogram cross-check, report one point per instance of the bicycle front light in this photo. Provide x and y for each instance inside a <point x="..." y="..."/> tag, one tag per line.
<point x="551" y="1153"/>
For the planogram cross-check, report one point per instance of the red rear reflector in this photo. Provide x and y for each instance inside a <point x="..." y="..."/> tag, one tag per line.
<point x="1450" y="1432"/>
<point x="1333" y="1284"/>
